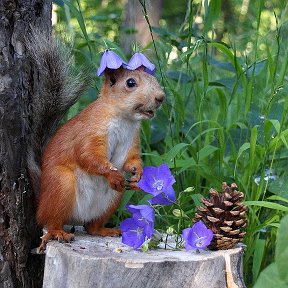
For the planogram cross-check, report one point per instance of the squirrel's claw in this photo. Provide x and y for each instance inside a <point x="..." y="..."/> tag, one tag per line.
<point x="59" y="235"/>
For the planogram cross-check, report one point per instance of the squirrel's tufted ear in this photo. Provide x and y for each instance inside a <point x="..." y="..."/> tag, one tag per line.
<point x="112" y="75"/>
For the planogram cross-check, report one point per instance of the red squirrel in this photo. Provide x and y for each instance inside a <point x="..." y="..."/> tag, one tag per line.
<point x="83" y="163"/>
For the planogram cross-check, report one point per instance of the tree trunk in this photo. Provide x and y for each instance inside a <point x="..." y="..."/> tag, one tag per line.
<point x="18" y="230"/>
<point x="134" y="19"/>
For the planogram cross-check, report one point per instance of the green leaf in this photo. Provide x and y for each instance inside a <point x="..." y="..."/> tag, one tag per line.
<point x="222" y="103"/>
<point x="278" y="198"/>
<point x="145" y="198"/>
<point x="243" y="148"/>
<point x="212" y="12"/>
<point x="266" y="204"/>
<point x="79" y="18"/>
<point x="197" y="199"/>
<point x="279" y="187"/>
<point x="282" y="249"/>
<point x="174" y="151"/>
<point x="225" y="50"/>
<point x="276" y="125"/>
<point x="125" y="199"/>
<point x="270" y="278"/>
<point x="253" y="140"/>
<point x="282" y="137"/>
<point x="206" y="151"/>
<point x="258" y="257"/>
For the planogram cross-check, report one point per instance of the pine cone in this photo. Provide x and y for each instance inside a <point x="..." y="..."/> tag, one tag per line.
<point x="225" y="215"/>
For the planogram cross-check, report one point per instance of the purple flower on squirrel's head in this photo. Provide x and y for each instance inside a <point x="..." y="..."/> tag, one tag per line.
<point x="197" y="237"/>
<point x="110" y="60"/>
<point x="143" y="215"/>
<point x="158" y="181"/>
<point x="139" y="59"/>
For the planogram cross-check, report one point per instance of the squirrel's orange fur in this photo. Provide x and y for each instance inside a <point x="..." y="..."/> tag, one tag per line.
<point x="83" y="164"/>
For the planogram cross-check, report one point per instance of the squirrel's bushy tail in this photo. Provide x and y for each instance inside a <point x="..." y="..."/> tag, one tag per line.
<point x="57" y="90"/>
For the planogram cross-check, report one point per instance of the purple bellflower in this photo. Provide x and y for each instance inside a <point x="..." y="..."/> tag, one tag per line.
<point x="141" y="225"/>
<point x="158" y="181"/>
<point x="132" y="234"/>
<point x="143" y="215"/>
<point x="110" y="60"/>
<point x="197" y="237"/>
<point x="139" y="59"/>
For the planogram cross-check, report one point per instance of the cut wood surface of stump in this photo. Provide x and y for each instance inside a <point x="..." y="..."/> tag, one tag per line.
<point x="106" y="262"/>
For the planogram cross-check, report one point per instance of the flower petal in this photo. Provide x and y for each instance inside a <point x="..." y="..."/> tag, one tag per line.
<point x="186" y="235"/>
<point x="143" y="216"/>
<point x="170" y="193"/>
<point x="148" y="179"/>
<point x="163" y="199"/>
<point x="133" y="208"/>
<point x="102" y="66"/>
<point x="109" y="60"/>
<point x="132" y="234"/>
<point x="128" y="224"/>
<point x="141" y="211"/>
<point x="148" y="213"/>
<point x="133" y="239"/>
<point x="145" y="185"/>
<point x="149" y="229"/>
<point x="113" y="60"/>
<point x="156" y="180"/>
<point x="149" y="71"/>
<point x="164" y="171"/>
<point x="139" y="59"/>
<point x="135" y="61"/>
<point x="199" y="237"/>
<point x="146" y="63"/>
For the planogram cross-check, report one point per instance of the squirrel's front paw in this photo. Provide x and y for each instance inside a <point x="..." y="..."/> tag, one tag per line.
<point x="136" y="171"/>
<point x="116" y="181"/>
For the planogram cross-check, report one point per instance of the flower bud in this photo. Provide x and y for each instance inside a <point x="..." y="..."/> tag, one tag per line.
<point x="189" y="189"/>
<point x="178" y="213"/>
<point x="170" y="230"/>
<point x="145" y="246"/>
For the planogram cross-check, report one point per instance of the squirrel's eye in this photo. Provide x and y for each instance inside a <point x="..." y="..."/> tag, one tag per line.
<point x="131" y="82"/>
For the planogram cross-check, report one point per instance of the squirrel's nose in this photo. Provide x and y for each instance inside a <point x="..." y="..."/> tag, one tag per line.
<point x="159" y="99"/>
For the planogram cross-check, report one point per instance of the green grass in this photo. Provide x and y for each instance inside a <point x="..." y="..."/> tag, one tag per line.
<point x="225" y="117"/>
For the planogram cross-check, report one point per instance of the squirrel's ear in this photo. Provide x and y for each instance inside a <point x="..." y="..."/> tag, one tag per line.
<point x="140" y="68"/>
<point x="111" y="75"/>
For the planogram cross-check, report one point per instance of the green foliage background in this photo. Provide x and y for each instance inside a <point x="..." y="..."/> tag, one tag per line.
<point x="224" y="70"/>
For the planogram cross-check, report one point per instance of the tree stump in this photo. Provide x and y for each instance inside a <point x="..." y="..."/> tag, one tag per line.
<point x="106" y="262"/>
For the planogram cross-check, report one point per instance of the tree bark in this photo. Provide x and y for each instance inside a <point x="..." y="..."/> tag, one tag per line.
<point x="18" y="229"/>
<point x="134" y="19"/>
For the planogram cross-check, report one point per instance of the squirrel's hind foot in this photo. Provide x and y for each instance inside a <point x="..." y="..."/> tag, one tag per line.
<point x="59" y="235"/>
<point x="102" y="231"/>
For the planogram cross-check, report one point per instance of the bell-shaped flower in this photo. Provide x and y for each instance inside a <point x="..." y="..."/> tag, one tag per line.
<point x="110" y="60"/>
<point x="165" y="198"/>
<point x="139" y="59"/>
<point x="132" y="234"/>
<point x="197" y="237"/>
<point x="158" y="181"/>
<point x="143" y="215"/>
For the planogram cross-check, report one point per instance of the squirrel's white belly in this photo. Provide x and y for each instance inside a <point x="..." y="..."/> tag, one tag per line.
<point x="93" y="197"/>
<point x="93" y="194"/>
